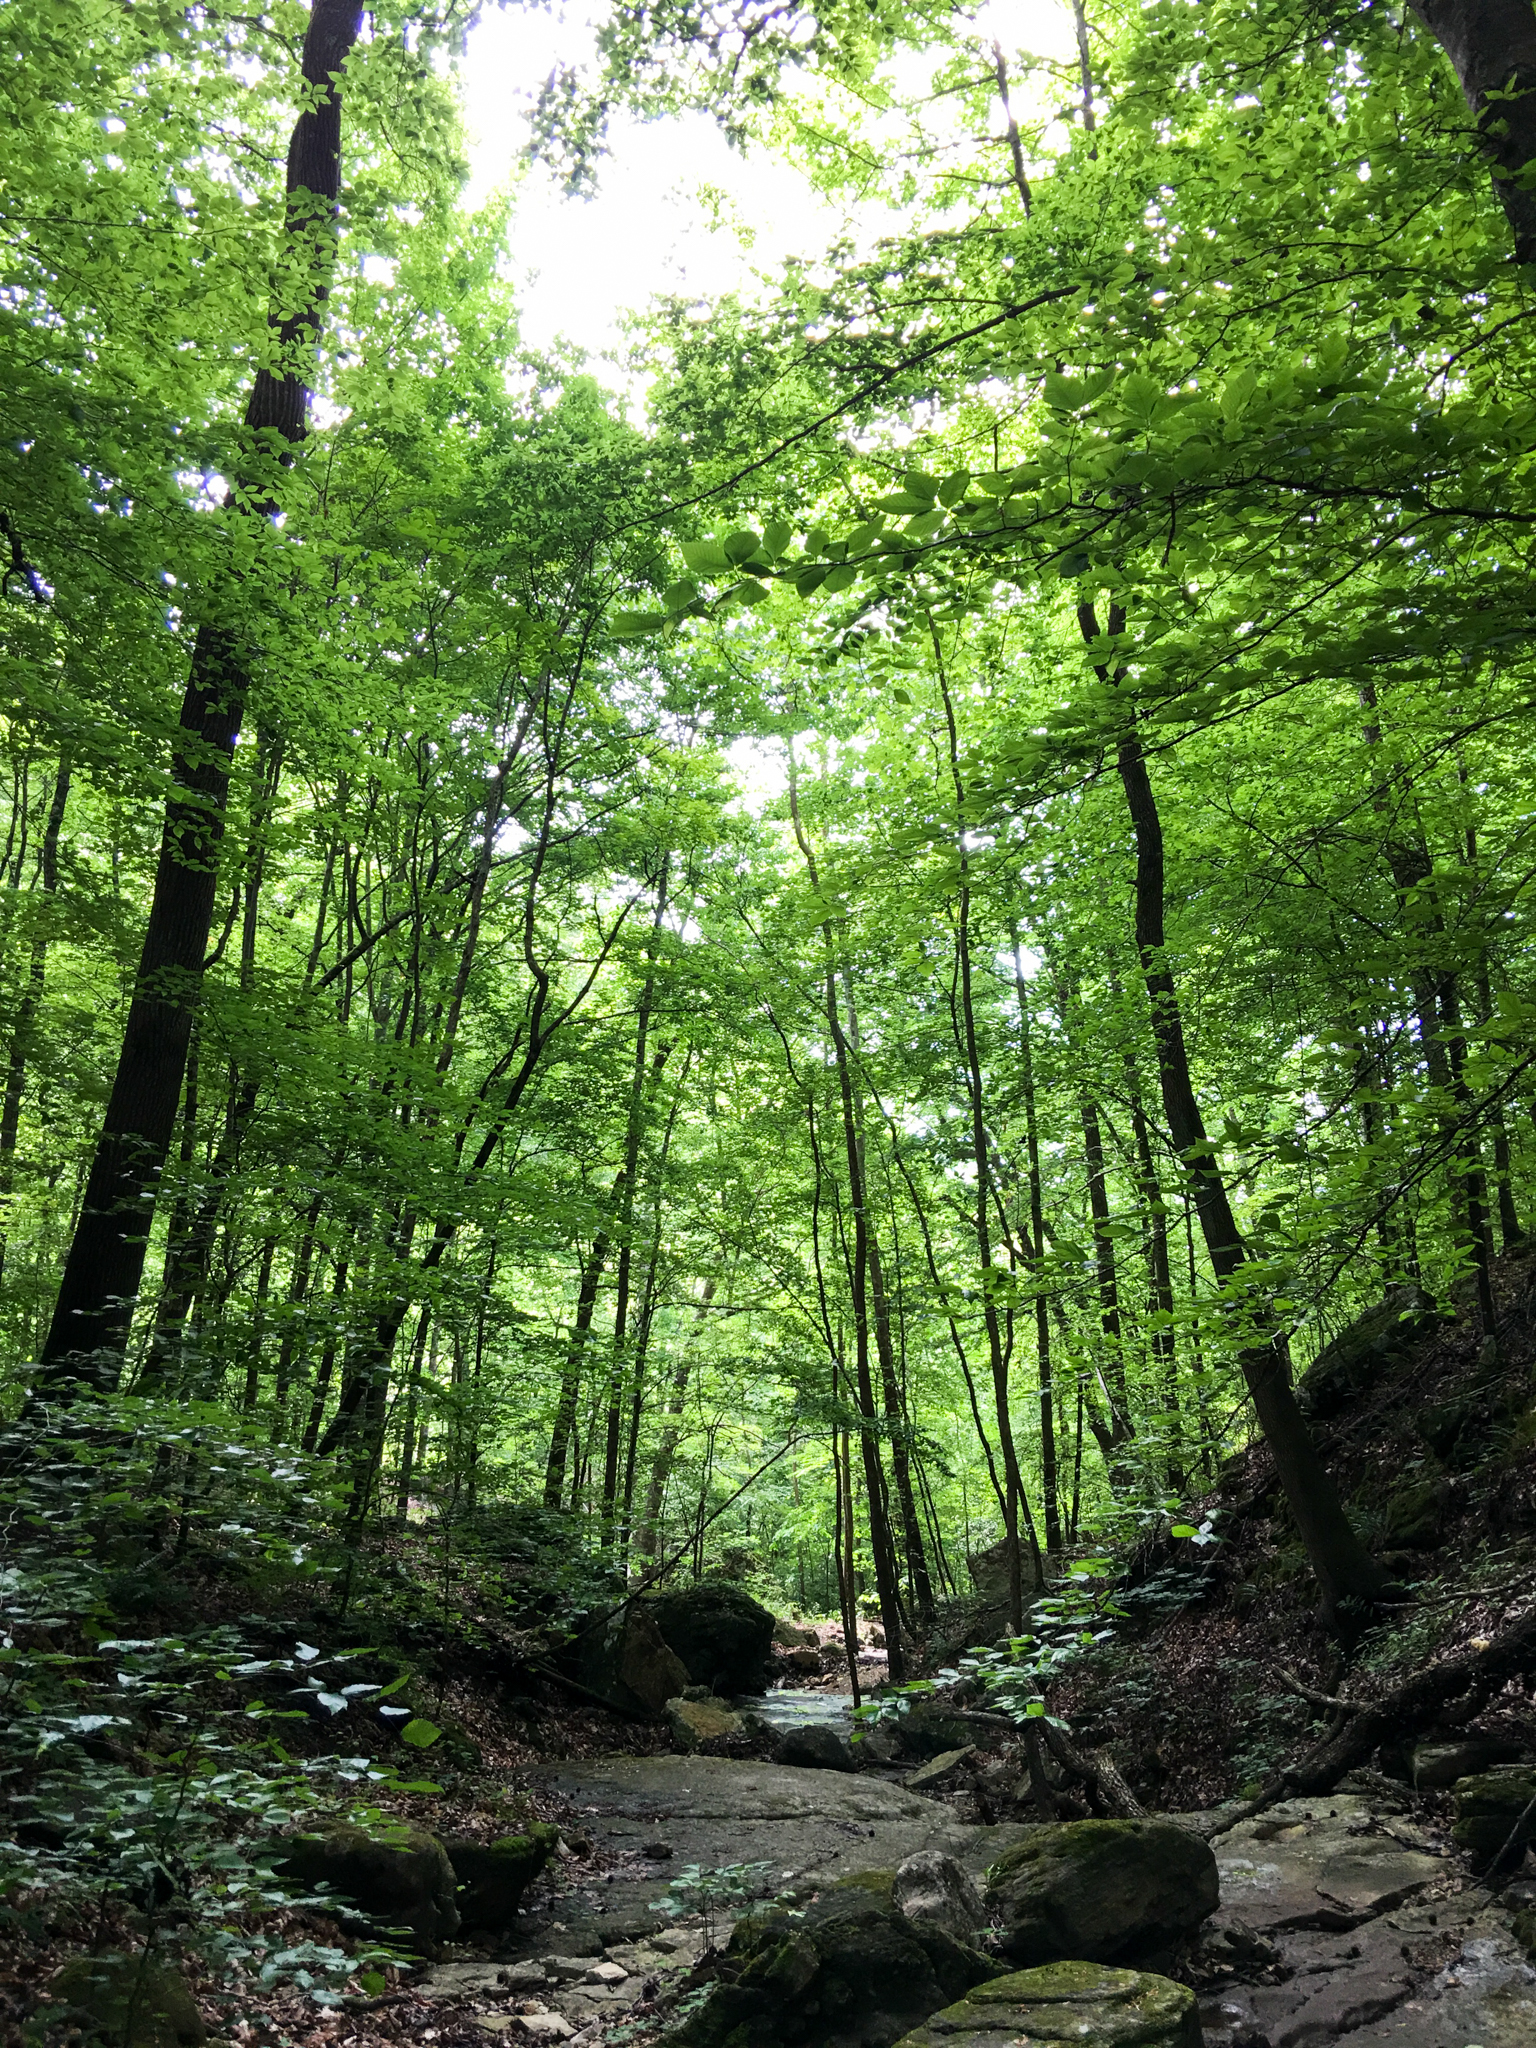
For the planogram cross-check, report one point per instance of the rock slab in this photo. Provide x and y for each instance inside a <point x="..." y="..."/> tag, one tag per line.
<point x="1086" y="2004"/>
<point x="1101" y="1890"/>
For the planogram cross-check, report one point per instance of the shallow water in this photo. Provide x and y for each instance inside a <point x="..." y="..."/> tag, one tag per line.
<point x="791" y="1709"/>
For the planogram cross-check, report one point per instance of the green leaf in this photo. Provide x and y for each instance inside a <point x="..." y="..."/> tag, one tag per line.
<point x="777" y="535"/>
<point x="921" y="486"/>
<point x="708" y="557"/>
<point x="841" y="577"/>
<point x="420" y="1734"/>
<point x="741" y="547"/>
<point x="677" y="596"/>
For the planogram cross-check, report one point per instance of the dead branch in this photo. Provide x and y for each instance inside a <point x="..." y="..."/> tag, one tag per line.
<point x="1407" y="1710"/>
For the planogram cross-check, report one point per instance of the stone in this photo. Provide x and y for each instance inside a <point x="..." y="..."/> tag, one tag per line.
<point x="989" y="1574"/>
<point x="524" y="1976"/>
<point x="721" y="1633"/>
<point x="606" y="1973"/>
<point x="846" y="1961"/>
<point x="658" y="1852"/>
<point x="925" y="1731"/>
<point x="809" y="1827"/>
<point x="1100" y="1890"/>
<point x="568" y="1969"/>
<point x="815" y="1748"/>
<point x="1081" y="2003"/>
<point x="937" y="1769"/>
<point x="1415" y="1513"/>
<point x="545" y="2026"/>
<point x="131" y="2000"/>
<point x="492" y="1876"/>
<point x="406" y="1883"/>
<point x="1316" y="1863"/>
<point x="1435" y="1766"/>
<point x="458" y="1980"/>
<point x="695" y="1722"/>
<point x="1353" y="1361"/>
<point x="789" y="1635"/>
<point x="804" y="1660"/>
<point x="1490" y="1808"/>
<point x="931" y="1886"/>
<point x="629" y="1663"/>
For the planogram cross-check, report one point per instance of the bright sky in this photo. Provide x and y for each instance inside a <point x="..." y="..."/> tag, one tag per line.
<point x="582" y="263"/>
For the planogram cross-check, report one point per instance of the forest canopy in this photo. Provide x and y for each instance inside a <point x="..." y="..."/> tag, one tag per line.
<point x="426" y="1047"/>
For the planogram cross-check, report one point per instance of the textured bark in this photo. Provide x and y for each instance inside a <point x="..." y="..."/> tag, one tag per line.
<point x="24" y="1030"/>
<point x="1492" y="48"/>
<point x="105" y="1265"/>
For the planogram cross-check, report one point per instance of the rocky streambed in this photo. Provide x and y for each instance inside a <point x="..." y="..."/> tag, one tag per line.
<point x="1329" y="1920"/>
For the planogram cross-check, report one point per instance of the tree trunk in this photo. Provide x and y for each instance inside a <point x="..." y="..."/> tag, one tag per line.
<point x="1492" y="48"/>
<point x="1347" y="1574"/>
<point x="105" y="1263"/>
<point x="570" y="1379"/>
<point x="1049" y="1483"/>
<point x="24" y="1029"/>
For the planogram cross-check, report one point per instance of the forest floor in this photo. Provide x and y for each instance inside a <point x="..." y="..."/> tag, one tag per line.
<point x="1196" y="1697"/>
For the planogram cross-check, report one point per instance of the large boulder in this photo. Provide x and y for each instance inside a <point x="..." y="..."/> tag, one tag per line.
<point x="721" y="1633"/>
<point x="1100" y="1890"/>
<point x="492" y="1876"/>
<point x="130" y="2001"/>
<point x="848" y="1967"/>
<point x="408" y="1882"/>
<point x="1083" y="2004"/>
<point x="1495" y="1809"/>
<point x="629" y="1663"/>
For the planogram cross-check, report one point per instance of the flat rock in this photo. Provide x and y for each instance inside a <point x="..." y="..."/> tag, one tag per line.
<point x="808" y="1826"/>
<point x="1486" y="1994"/>
<point x="1316" y="1863"/>
<point x="459" y="1980"/>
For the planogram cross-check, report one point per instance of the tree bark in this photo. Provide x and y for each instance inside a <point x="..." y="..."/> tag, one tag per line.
<point x="1492" y="48"/>
<point x="105" y="1264"/>
<point x="1346" y="1573"/>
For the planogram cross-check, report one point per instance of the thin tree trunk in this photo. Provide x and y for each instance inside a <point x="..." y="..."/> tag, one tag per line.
<point x="648" y="1540"/>
<point x="1016" y="1499"/>
<point x="1049" y="1486"/>
<point x="1347" y="1574"/>
<point x="570" y="1379"/>
<point x="24" y="1030"/>
<point x="105" y="1263"/>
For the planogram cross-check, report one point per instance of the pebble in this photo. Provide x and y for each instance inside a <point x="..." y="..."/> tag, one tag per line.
<point x="606" y="1973"/>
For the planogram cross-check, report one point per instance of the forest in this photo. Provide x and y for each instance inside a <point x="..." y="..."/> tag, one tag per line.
<point x="866" y="977"/>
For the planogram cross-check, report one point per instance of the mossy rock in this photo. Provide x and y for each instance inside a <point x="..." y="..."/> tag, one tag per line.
<point x="723" y="1636"/>
<point x="1491" y="1808"/>
<point x="1415" y="1513"/>
<point x="1100" y="1890"/>
<point x="1085" y="2004"/>
<point x="493" y="1876"/>
<point x="1351" y="1364"/>
<point x="406" y="1882"/>
<point x="848" y="1966"/>
<point x="130" y="2002"/>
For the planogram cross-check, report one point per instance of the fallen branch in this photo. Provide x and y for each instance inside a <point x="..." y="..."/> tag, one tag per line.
<point x="1316" y="1699"/>
<point x="1407" y="1710"/>
<point x="1095" y="1769"/>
